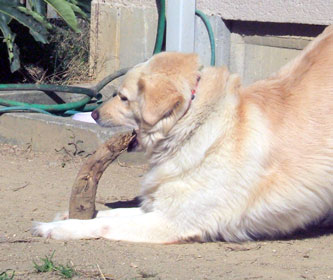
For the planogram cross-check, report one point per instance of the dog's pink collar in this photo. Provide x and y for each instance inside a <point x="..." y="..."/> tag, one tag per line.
<point x="193" y="91"/>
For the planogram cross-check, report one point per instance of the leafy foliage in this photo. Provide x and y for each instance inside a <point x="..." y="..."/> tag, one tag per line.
<point x="33" y="15"/>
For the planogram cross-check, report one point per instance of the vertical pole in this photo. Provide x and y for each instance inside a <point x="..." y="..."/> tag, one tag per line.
<point x="180" y="25"/>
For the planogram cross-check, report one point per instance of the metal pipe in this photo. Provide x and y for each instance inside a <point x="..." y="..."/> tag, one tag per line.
<point x="180" y="25"/>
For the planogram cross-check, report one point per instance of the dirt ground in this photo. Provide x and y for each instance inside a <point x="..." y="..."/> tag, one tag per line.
<point x="35" y="186"/>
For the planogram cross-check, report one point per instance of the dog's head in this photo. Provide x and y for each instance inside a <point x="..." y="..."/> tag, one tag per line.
<point x="152" y="97"/>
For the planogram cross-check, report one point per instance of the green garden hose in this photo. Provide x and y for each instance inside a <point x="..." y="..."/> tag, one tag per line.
<point x="160" y="28"/>
<point x="67" y="108"/>
<point x="53" y="88"/>
<point x="210" y="34"/>
<point x="47" y="88"/>
<point x="109" y="79"/>
<point x="94" y="92"/>
<point x="50" y="108"/>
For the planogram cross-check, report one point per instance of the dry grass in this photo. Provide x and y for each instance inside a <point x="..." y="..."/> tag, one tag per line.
<point x="67" y="60"/>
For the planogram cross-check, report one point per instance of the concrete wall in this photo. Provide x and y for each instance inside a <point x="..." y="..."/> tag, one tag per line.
<point x="253" y="38"/>
<point x="259" y="49"/>
<point x="121" y="35"/>
<point x="290" y="11"/>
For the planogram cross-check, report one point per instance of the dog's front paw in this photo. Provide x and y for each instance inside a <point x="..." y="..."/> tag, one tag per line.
<point x="41" y="229"/>
<point x="53" y="230"/>
<point x="66" y="229"/>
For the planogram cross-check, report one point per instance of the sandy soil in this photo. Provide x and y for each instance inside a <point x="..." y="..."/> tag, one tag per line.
<point x="35" y="186"/>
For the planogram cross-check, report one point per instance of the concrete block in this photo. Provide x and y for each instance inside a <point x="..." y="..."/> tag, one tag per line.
<point x="104" y="39"/>
<point x="121" y="36"/>
<point x="48" y="133"/>
<point x="222" y="41"/>
<point x="201" y="42"/>
<point x="151" y="18"/>
<point x="257" y="57"/>
<point x="222" y="38"/>
<point x="237" y="56"/>
<point x="262" y="61"/>
<point x="260" y="49"/>
<point x="132" y="38"/>
<point x="45" y="133"/>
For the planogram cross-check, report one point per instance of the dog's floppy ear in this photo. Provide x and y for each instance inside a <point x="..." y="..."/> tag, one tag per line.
<point x="160" y="98"/>
<point x="175" y="65"/>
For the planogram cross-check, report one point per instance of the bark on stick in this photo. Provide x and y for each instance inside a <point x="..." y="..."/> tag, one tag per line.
<point x="82" y="200"/>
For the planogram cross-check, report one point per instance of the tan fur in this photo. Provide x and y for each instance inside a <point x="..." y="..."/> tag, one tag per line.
<point x="158" y="105"/>
<point x="234" y="163"/>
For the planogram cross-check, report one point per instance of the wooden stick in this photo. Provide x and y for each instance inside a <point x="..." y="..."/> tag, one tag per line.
<point x="82" y="200"/>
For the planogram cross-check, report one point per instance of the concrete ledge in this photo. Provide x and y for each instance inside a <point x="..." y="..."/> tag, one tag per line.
<point x="47" y="133"/>
<point x="291" y="11"/>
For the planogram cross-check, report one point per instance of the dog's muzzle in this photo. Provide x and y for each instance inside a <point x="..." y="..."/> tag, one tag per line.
<point x="132" y="146"/>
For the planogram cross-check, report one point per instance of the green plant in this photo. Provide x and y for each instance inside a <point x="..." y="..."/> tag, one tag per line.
<point x="66" y="271"/>
<point x="4" y="275"/>
<point x="48" y="265"/>
<point x="34" y="17"/>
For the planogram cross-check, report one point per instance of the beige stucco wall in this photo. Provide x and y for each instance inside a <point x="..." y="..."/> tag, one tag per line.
<point x="292" y="11"/>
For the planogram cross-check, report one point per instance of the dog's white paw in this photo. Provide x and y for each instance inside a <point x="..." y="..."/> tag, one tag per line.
<point x="66" y="229"/>
<point x="41" y="229"/>
<point x="53" y="230"/>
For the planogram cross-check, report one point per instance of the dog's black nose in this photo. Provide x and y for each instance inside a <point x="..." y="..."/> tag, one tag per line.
<point x="95" y="115"/>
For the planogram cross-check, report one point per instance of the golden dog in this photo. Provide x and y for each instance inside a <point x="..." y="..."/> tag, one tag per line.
<point x="226" y="162"/>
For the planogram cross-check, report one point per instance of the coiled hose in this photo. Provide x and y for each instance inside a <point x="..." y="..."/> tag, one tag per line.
<point x="92" y="95"/>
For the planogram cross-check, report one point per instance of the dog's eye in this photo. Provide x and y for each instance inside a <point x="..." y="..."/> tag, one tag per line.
<point x="122" y="97"/>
